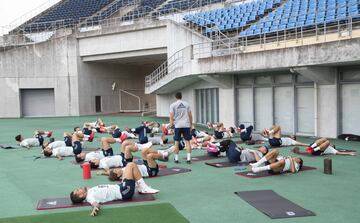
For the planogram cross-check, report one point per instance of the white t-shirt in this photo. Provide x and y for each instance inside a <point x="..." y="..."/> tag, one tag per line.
<point x="287" y="166"/>
<point x="56" y="144"/>
<point x="156" y="140"/>
<point x="30" y="142"/>
<point x="143" y="170"/>
<point x="63" y="151"/>
<point x="111" y="162"/>
<point x="103" y="193"/>
<point x="248" y="156"/>
<point x="286" y="141"/>
<point x="94" y="155"/>
<point x="330" y="150"/>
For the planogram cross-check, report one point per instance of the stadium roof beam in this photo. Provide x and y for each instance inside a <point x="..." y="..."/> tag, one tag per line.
<point x="320" y="75"/>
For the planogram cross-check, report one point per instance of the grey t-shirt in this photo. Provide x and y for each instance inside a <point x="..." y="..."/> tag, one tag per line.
<point x="181" y="110"/>
<point x="248" y="156"/>
<point x="157" y="140"/>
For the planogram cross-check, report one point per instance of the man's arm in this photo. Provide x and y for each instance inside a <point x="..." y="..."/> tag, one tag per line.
<point x="95" y="209"/>
<point x="171" y="121"/>
<point x="257" y="157"/>
<point x="190" y="119"/>
<point x="105" y="172"/>
<point x="292" y="165"/>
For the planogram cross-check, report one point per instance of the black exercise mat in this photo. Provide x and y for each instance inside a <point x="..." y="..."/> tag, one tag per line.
<point x="204" y="157"/>
<point x="65" y="202"/>
<point x="273" y="205"/>
<point x="250" y="174"/>
<point x="307" y="154"/>
<point x="226" y="164"/>
<point x="10" y="147"/>
<point x="172" y="171"/>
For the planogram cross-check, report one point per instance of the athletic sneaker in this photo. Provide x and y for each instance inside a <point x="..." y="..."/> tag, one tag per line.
<point x="170" y="150"/>
<point x="176" y="161"/>
<point x="91" y="137"/>
<point x="123" y="138"/>
<point x="165" y="156"/>
<point x="188" y="161"/>
<point x="309" y="150"/>
<point x="143" y="146"/>
<point x="147" y="190"/>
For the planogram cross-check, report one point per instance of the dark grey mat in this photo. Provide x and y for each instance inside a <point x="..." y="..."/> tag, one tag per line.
<point x="273" y="205"/>
<point x="10" y="147"/>
<point x="65" y="202"/>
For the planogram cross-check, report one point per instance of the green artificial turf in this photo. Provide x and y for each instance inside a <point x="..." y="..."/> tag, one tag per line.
<point x="145" y="213"/>
<point x="206" y="194"/>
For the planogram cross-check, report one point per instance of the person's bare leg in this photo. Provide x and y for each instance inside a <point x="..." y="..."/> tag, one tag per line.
<point x="106" y="142"/>
<point x="300" y="144"/>
<point x="151" y="159"/>
<point x="278" y="166"/>
<point x="270" y="157"/>
<point x="346" y="153"/>
<point x="322" y="147"/>
<point x="129" y="150"/>
<point x="176" y="152"/>
<point x="276" y="131"/>
<point x="125" y="144"/>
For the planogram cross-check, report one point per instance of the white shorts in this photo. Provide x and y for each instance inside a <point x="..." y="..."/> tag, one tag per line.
<point x="330" y="150"/>
<point x="286" y="141"/>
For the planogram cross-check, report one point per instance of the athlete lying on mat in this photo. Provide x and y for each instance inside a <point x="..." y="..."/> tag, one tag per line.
<point x="37" y="140"/>
<point x="236" y="153"/>
<point x="105" y="193"/>
<point x="275" y="139"/>
<point x="149" y="168"/>
<point x="59" y="152"/>
<point x="275" y="164"/>
<point x="108" y="162"/>
<point x="106" y="150"/>
<point x="246" y="134"/>
<point x="220" y="132"/>
<point x="116" y="132"/>
<point x="323" y="147"/>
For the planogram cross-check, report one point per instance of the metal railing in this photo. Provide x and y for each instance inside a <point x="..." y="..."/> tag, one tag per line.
<point x="172" y="66"/>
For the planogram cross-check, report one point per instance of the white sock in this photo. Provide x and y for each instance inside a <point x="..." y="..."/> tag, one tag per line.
<point x="117" y="140"/>
<point x="86" y="137"/>
<point x="133" y="130"/>
<point x="93" y="130"/>
<point x="141" y="183"/>
<point x="316" y="148"/>
<point x="262" y="168"/>
<point x="176" y="156"/>
<point x="217" y="144"/>
<point x="313" y="145"/>
<point x="258" y="163"/>
<point x="188" y="156"/>
<point x="243" y="130"/>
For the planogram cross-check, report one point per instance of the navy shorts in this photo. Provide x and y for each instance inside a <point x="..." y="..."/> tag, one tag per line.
<point x="127" y="189"/>
<point x="151" y="171"/>
<point x="77" y="147"/>
<point x="317" y="153"/>
<point x="67" y="140"/>
<point x="275" y="142"/>
<point x="86" y="131"/>
<point x="116" y="133"/>
<point x="41" y="139"/>
<point x="108" y="152"/>
<point x="245" y="136"/>
<point x="218" y="135"/>
<point x="143" y="140"/>
<point x="185" y="132"/>
<point x="233" y="153"/>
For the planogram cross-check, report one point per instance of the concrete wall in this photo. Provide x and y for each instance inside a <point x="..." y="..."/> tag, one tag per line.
<point x="226" y="107"/>
<point x="47" y="65"/>
<point x="327" y="124"/>
<point x="96" y="79"/>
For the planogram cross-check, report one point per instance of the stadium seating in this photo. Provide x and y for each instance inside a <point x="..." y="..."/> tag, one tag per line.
<point x="232" y="18"/>
<point x="67" y="11"/>
<point x="306" y="14"/>
<point x="180" y="5"/>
